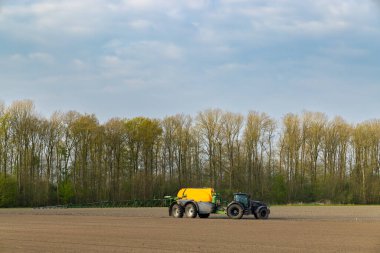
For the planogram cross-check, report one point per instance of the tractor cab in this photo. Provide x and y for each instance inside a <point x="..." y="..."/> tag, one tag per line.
<point x="243" y="199"/>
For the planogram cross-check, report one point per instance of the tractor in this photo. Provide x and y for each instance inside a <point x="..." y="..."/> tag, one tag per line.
<point x="191" y="202"/>
<point x="243" y="205"/>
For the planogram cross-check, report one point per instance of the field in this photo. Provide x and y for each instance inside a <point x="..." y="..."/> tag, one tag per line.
<point x="289" y="229"/>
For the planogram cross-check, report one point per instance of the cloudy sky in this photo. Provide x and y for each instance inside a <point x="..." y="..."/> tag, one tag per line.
<point x="153" y="58"/>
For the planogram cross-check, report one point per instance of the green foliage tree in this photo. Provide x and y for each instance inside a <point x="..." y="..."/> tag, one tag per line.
<point x="8" y="191"/>
<point x="279" y="189"/>
<point x="72" y="158"/>
<point x="66" y="192"/>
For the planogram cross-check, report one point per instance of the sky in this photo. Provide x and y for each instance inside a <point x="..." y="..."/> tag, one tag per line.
<point x="153" y="58"/>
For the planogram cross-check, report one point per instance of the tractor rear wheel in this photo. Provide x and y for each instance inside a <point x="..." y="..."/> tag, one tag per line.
<point x="190" y="210"/>
<point x="235" y="211"/>
<point x="263" y="213"/>
<point x="177" y="211"/>
<point x="206" y="215"/>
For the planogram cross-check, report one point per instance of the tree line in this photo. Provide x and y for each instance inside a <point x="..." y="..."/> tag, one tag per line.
<point x="72" y="158"/>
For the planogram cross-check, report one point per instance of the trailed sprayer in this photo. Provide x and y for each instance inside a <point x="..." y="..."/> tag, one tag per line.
<point x="191" y="202"/>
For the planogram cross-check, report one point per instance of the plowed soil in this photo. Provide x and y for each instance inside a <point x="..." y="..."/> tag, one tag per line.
<point x="289" y="229"/>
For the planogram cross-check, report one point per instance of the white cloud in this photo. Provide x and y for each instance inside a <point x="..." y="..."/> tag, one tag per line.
<point x="37" y="20"/>
<point x="197" y="4"/>
<point x="111" y="60"/>
<point x="141" y="4"/>
<point x="209" y="44"/>
<point x="19" y="59"/>
<point x="226" y="2"/>
<point x="148" y="51"/>
<point x="288" y="18"/>
<point x="231" y="68"/>
<point x="164" y="5"/>
<point x="208" y="35"/>
<point x="140" y="24"/>
<point x="80" y="65"/>
<point x="171" y="51"/>
<point x="41" y="57"/>
<point x="345" y="51"/>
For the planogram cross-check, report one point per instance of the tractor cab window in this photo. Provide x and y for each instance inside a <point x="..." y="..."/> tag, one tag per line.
<point x="242" y="198"/>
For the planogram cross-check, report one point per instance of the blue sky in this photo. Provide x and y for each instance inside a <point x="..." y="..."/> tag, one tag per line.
<point x="126" y="58"/>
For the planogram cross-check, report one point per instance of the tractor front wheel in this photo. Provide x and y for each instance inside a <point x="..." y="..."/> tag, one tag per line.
<point x="177" y="211"/>
<point x="235" y="211"/>
<point x="190" y="210"/>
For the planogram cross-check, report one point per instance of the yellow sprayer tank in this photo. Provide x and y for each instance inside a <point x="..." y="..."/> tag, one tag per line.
<point x="196" y="194"/>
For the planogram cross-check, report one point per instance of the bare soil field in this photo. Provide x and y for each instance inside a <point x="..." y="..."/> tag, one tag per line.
<point x="289" y="229"/>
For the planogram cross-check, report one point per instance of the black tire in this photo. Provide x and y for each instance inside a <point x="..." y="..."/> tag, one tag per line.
<point x="203" y="216"/>
<point x="190" y="210"/>
<point x="177" y="211"/>
<point x="235" y="211"/>
<point x="263" y="213"/>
